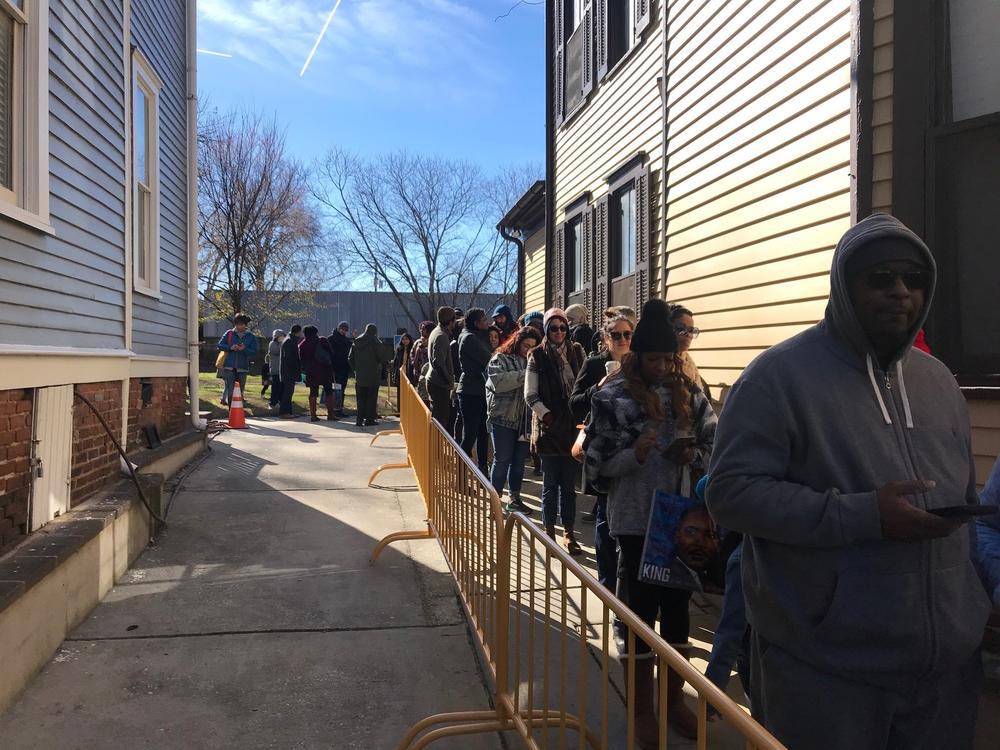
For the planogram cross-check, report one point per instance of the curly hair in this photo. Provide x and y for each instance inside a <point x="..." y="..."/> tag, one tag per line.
<point x="680" y="391"/>
<point x="513" y="344"/>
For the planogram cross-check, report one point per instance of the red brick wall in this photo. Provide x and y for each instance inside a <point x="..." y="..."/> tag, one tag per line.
<point x="167" y="409"/>
<point x="95" y="459"/>
<point x="15" y="454"/>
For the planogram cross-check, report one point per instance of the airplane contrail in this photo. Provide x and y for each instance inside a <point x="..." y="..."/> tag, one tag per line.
<point x="319" y="39"/>
<point x="214" y="54"/>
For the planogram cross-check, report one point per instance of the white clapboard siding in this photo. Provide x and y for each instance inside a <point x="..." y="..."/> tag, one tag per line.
<point x="534" y="272"/>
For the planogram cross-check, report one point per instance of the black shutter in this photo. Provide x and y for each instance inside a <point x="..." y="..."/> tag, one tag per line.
<point x="643" y="15"/>
<point x="602" y="260"/>
<point x="558" y="89"/>
<point x="588" y="50"/>
<point x="601" y="37"/>
<point x="643" y="237"/>
<point x="557" y="279"/>
<point x="588" y="262"/>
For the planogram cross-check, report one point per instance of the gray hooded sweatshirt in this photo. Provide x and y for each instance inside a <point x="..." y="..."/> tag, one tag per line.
<point x="809" y="433"/>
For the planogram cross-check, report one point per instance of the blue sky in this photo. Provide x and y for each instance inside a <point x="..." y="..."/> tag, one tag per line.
<point x="432" y="76"/>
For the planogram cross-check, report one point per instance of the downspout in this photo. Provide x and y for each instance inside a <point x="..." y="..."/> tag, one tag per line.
<point x="192" y="210"/>
<point x="664" y="171"/>
<point x="550" y="147"/>
<point x="127" y="236"/>
<point x="520" y="263"/>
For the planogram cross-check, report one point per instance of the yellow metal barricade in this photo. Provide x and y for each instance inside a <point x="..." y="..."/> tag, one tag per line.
<point x="543" y="623"/>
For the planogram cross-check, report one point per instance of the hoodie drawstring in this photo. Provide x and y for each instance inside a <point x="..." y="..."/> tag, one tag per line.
<point x="902" y="392"/>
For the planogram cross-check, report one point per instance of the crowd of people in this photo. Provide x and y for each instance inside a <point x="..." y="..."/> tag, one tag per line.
<point x="835" y="492"/>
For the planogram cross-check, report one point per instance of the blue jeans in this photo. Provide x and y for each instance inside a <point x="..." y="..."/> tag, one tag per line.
<point x="473" y="409"/>
<point x="559" y="475"/>
<point x="287" y="391"/>
<point x="605" y="548"/>
<point x="509" y="455"/>
<point x="228" y="380"/>
<point x="275" y="391"/>
<point x="728" y="644"/>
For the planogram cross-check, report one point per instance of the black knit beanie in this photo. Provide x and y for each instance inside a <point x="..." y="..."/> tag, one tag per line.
<point x="654" y="331"/>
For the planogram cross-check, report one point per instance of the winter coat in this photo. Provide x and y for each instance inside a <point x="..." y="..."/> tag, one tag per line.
<point x="544" y="392"/>
<point x="474" y="354"/>
<point x="291" y="365"/>
<point x="510" y="327"/>
<point x="594" y="370"/>
<point x="505" y="391"/>
<point x="273" y="356"/>
<point x="317" y="372"/>
<point x="418" y="358"/>
<point x="811" y="430"/>
<point x="238" y="360"/>
<point x="442" y="368"/>
<point x="341" y="346"/>
<point x="583" y="334"/>
<point x="400" y="360"/>
<point x="616" y="422"/>
<point x="367" y="357"/>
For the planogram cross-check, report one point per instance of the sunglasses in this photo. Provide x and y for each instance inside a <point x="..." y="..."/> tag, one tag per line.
<point x="685" y="331"/>
<point x="886" y="279"/>
<point x="621" y="335"/>
<point x="557" y="329"/>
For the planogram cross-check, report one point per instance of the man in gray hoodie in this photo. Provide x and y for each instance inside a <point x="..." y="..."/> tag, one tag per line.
<point x="866" y="609"/>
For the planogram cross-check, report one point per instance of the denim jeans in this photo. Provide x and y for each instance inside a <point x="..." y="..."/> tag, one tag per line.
<point x="228" y="380"/>
<point x="605" y="547"/>
<point x="559" y="475"/>
<point x="728" y="644"/>
<point x="287" y="391"/>
<point x="509" y="455"/>
<point x="474" y="434"/>
<point x="275" y="391"/>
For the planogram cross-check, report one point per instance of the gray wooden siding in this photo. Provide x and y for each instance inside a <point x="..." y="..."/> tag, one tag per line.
<point x="160" y="325"/>
<point x="68" y="289"/>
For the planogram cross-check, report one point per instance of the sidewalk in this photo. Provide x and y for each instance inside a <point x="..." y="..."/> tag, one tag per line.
<point x="256" y="622"/>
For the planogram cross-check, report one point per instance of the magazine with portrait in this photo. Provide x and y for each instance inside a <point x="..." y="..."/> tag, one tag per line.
<point x="681" y="549"/>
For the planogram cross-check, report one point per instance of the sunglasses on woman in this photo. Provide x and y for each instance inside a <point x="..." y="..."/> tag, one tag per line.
<point x="621" y="335"/>
<point x="558" y="329"/>
<point x="885" y="278"/>
<point x="685" y="331"/>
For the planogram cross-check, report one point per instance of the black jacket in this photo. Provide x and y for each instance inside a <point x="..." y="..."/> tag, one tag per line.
<point x="474" y="355"/>
<point x="593" y="372"/>
<point x="341" y="349"/>
<point x="583" y="334"/>
<point x="291" y="365"/>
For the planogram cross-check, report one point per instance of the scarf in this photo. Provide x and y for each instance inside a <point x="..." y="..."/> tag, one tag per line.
<point x="560" y="359"/>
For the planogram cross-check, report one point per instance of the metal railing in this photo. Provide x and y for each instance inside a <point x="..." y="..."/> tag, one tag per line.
<point x="543" y="624"/>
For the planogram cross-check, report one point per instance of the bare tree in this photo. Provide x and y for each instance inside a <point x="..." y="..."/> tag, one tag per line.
<point x="425" y="227"/>
<point x="258" y="229"/>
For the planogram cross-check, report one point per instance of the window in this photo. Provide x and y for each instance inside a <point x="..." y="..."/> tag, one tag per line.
<point x="24" y="111"/>
<point x="622" y="234"/>
<point x="146" y="177"/>
<point x="575" y="247"/>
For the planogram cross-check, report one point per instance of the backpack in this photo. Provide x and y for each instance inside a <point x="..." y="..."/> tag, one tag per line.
<point x="323" y="353"/>
<point x="425" y="374"/>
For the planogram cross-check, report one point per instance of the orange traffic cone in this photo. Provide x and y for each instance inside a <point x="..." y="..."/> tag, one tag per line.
<point x="237" y="417"/>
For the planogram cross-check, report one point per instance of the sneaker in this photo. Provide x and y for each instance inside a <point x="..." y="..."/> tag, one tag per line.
<point x="518" y="506"/>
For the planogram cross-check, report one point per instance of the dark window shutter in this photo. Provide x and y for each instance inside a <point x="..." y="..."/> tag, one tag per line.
<point x="601" y="37"/>
<point x="588" y="51"/>
<point x="643" y="15"/>
<point x="559" y="84"/>
<point x="557" y="279"/>
<point x="588" y="262"/>
<point x="643" y="239"/>
<point x="601" y="259"/>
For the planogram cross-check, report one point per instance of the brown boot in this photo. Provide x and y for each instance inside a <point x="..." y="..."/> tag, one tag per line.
<point x="312" y="409"/>
<point x="331" y="412"/>
<point x="550" y="532"/>
<point x="572" y="546"/>
<point x="681" y="718"/>
<point x="647" y="728"/>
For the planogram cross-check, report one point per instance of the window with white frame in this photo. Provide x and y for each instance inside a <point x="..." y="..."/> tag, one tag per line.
<point x="145" y="176"/>
<point x="24" y="111"/>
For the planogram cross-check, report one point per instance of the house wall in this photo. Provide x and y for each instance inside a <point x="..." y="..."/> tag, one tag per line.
<point x="95" y="459"/>
<point x="758" y="170"/>
<point x="67" y="289"/>
<point x="160" y="325"/>
<point x="534" y="272"/>
<point x="165" y="410"/>
<point x="15" y="454"/>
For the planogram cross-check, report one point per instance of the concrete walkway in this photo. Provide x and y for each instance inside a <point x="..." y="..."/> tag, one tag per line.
<point x="256" y="622"/>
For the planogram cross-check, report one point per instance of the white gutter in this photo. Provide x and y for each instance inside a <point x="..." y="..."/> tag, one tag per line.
<point x="192" y="209"/>
<point x="128" y="244"/>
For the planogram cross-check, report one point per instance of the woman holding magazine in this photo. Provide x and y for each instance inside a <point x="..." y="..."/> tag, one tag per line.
<point x="633" y="451"/>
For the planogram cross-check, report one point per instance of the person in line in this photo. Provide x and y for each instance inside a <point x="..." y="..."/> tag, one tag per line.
<point x="552" y="371"/>
<point x="831" y="451"/>
<point x="496" y="338"/>
<point x="401" y="362"/>
<point x="505" y="323"/>
<point x="631" y="454"/>
<point x="683" y="320"/>
<point x="509" y="418"/>
<point x="420" y="354"/>
<point x="611" y="312"/>
<point x="240" y="345"/>
<point x="291" y="370"/>
<point x="367" y="359"/>
<point x="456" y="426"/>
<point x="441" y="376"/>
<point x="988" y="537"/>
<point x="267" y="378"/>
<point x="341" y="342"/>
<point x="579" y="327"/>
<point x="273" y="361"/>
<point x="316" y="356"/>
<point x="598" y="369"/>
<point x="474" y="354"/>
<point x="535" y="319"/>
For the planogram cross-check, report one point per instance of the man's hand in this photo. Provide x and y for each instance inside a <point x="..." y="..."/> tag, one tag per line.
<point x="548" y="419"/>
<point x="901" y="520"/>
<point x="644" y="445"/>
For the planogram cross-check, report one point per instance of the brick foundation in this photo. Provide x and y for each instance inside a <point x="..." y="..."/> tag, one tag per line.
<point x="95" y="459"/>
<point x="166" y="409"/>
<point x="15" y="455"/>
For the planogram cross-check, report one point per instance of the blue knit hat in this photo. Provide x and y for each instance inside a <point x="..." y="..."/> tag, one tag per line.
<point x="531" y="317"/>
